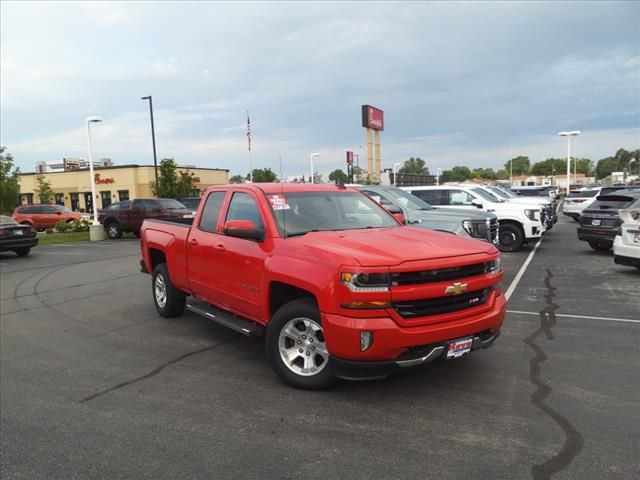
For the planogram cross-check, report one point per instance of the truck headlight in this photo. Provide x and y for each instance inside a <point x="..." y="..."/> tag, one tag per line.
<point x="366" y="282"/>
<point x="494" y="266"/>
<point x="531" y="214"/>
<point x="471" y="228"/>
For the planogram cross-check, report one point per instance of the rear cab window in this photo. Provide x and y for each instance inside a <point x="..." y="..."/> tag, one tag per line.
<point x="211" y="211"/>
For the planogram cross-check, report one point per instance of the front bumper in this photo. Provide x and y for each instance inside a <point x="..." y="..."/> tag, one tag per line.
<point x="358" y="370"/>
<point x="396" y="347"/>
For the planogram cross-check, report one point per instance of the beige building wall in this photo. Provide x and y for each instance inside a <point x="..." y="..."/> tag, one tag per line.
<point x="74" y="188"/>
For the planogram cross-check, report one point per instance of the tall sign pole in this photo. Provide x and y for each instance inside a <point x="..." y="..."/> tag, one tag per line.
<point x="373" y="121"/>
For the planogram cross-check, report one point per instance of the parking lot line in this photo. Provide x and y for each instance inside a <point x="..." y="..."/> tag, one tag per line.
<point x="586" y="317"/>
<point x="523" y="269"/>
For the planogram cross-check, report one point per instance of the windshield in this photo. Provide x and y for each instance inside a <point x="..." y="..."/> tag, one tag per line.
<point x="486" y="195"/>
<point x="302" y="212"/>
<point x="409" y="201"/>
<point x="190" y="202"/>
<point x="170" y="204"/>
<point x="583" y="193"/>
<point x="4" y="220"/>
<point x="503" y="193"/>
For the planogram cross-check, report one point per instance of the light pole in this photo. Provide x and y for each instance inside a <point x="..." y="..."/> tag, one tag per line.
<point x="153" y="138"/>
<point x="573" y="133"/>
<point x="633" y="160"/>
<point x="438" y="173"/>
<point x="511" y="163"/>
<point x="311" y="159"/>
<point x="95" y="230"/>
<point x="395" y="182"/>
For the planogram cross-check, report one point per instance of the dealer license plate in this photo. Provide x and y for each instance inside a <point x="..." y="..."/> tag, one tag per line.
<point x="636" y="238"/>
<point x="459" y="348"/>
<point x="596" y="221"/>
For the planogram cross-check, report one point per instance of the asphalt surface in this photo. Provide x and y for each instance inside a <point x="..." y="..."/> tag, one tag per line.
<point x="93" y="384"/>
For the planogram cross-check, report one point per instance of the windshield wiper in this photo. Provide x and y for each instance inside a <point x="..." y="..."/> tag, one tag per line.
<point x="299" y="234"/>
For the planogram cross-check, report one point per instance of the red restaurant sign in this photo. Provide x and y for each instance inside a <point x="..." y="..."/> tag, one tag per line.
<point x="349" y="158"/>
<point x="372" y="117"/>
<point x="104" y="181"/>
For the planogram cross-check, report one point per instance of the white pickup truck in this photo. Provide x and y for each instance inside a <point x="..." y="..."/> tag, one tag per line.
<point x="518" y="223"/>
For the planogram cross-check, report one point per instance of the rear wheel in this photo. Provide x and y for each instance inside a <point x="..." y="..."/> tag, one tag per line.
<point x="113" y="230"/>
<point x="296" y="348"/>
<point x="511" y="238"/>
<point x="22" y="252"/>
<point x="169" y="301"/>
<point x="600" y="246"/>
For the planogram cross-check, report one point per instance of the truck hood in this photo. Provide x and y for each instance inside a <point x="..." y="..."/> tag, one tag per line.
<point x="451" y="214"/>
<point x="392" y="246"/>
<point x="530" y="201"/>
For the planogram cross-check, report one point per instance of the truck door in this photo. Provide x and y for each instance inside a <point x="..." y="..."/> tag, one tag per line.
<point x="203" y="251"/>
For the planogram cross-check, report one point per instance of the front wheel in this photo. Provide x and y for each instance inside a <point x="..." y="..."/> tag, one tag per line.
<point x="296" y="348"/>
<point x="114" y="231"/>
<point x="169" y="301"/>
<point x="511" y="238"/>
<point x="600" y="246"/>
<point x="22" y="252"/>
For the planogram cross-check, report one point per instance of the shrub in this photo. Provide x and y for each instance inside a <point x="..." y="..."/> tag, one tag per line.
<point x="50" y="230"/>
<point x="62" y="226"/>
<point x="74" y="226"/>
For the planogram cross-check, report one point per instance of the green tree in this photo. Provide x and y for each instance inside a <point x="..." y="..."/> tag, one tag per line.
<point x="236" y="179"/>
<point x="521" y="165"/>
<point x="43" y="189"/>
<point x="502" y="174"/>
<point x="558" y="166"/>
<point x="616" y="163"/>
<point x="459" y="174"/>
<point x="486" y="173"/>
<point x="172" y="183"/>
<point x="359" y="175"/>
<point x="263" y="175"/>
<point x="339" y="176"/>
<point x="9" y="182"/>
<point x="414" y="165"/>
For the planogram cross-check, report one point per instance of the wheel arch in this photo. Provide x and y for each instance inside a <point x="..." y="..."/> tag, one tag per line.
<point x="281" y="293"/>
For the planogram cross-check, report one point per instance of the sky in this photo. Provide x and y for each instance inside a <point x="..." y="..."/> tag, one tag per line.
<point x="461" y="83"/>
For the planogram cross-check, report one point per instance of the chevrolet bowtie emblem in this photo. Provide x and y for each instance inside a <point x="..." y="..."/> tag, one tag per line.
<point x="456" y="289"/>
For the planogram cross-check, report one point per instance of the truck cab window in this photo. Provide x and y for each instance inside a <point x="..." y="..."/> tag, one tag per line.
<point x="244" y="207"/>
<point x="211" y="211"/>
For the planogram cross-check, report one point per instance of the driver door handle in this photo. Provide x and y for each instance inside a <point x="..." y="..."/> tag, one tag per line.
<point x="220" y="247"/>
<point x="193" y="241"/>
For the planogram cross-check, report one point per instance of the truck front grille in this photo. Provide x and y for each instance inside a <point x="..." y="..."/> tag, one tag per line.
<point x="437" y="306"/>
<point x="439" y="275"/>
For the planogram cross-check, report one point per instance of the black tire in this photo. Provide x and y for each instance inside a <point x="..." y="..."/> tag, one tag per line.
<point x="297" y="309"/>
<point x="601" y="246"/>
<point x="22" y="252"/>
<point x="113" y="230"/>
<point x="174" y="299"/>
<point x="511" y="238"/>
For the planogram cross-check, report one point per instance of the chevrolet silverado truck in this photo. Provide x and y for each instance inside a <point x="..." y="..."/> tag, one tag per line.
<point x="338" y="286"/>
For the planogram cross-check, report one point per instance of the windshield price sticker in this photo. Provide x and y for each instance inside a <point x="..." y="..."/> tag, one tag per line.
<point x="278" y="202"/>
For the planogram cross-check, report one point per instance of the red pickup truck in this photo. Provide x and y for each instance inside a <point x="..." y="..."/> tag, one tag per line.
<point x="339" y="287"/>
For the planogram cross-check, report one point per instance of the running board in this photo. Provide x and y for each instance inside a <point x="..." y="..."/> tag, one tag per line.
<point x="240" y="325"/>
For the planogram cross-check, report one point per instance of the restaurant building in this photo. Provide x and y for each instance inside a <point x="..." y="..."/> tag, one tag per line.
<point x="72" y="188"/>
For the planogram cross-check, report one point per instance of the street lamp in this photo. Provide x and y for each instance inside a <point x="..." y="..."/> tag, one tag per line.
<point x="395" y="182"/>
<point x="153" y="138"/>
<point x="311" y="158"/>
<point x="438" y="173"/>
<point x="95" y="230"/>
<point x="573" y="133"/>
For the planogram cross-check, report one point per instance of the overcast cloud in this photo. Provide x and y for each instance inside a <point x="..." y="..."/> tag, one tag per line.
<point x="458" y="82"/>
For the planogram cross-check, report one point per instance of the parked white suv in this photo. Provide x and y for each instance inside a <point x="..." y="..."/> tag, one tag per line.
<point x="626" y="246"/>
<point x="518" y="224"/>
<point x="578" y="200"/>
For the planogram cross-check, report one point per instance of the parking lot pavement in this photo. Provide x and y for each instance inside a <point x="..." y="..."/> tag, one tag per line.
<point x="94" y="384"/>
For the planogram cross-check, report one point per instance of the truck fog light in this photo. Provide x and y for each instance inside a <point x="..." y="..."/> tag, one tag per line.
<point x="366" y="339"/>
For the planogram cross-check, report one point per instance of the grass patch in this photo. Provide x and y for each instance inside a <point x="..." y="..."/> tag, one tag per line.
<point x="53" y="238"/>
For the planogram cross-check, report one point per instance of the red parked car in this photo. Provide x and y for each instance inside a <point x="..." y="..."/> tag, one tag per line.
<point x="336" y="283"/>
<point x="42" y="217"/>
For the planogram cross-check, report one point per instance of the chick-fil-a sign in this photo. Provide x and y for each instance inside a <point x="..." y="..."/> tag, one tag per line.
<point x="99" y="180"/>
<point x="372" y="117"/>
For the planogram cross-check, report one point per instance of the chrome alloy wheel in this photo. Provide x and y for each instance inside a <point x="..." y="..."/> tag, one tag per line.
<point x="160" y="290"/>
<point x="302" y="348"/>
<point x="112" y="230"/>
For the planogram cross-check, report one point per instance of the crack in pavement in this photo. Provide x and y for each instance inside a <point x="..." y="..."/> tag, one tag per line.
<point x="156" y="370"/>
<point x="573" y="439"/>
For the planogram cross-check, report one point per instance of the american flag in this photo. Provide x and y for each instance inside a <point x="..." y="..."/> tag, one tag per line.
<point x="248" y="131"/>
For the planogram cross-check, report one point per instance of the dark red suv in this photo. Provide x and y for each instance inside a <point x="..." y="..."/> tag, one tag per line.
<point x="127" y="216"/>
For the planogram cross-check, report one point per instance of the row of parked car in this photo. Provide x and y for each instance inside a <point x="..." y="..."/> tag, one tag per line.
<point x="609" y="217"/>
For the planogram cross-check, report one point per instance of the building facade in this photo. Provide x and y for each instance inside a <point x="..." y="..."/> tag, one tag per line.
<point x="72" y="189"/>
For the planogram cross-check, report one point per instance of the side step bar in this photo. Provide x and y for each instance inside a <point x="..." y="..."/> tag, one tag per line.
<point x="239" y="324"/>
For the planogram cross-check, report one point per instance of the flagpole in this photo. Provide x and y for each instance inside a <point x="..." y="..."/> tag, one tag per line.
<point x="249" y="144"/>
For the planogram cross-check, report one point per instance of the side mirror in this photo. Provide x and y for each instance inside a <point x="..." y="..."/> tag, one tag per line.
<point x="476" y="202"/>
<point x="243" y="229"/>
<point x="400" y="217"/>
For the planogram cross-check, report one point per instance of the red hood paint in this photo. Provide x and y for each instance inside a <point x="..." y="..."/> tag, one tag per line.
<point x="391" y="246"/>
